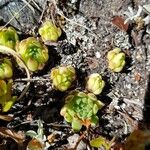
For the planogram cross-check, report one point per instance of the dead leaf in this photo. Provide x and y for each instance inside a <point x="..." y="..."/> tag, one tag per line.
<point x="51" y="138"/>
<point x="119" y="22"/>
<point x="7" y="133"/>
<point x="6" y="117"/>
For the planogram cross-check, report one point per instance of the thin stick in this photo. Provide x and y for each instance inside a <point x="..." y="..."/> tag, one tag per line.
<point x="36" y="5"/>
<point x="31" y="80"/>
<point x="7" y="50"/>
<point x="43" y="11"/>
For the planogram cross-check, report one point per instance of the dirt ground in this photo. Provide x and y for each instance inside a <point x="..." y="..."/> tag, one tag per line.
<point x="88" y="34"/>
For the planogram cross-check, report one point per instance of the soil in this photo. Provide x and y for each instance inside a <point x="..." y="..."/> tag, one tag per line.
<point x="88" y="34"/>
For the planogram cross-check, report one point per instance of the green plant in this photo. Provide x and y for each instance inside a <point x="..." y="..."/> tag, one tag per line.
<point x="8" y="37"/>
<point x="6" y="100"/>
<point x="62" y="77"/>
<point x="49" y="32"/>
<point x="81" y="109"/>
<point x="38" y="141"/>
<point x="33" y="53"/>
<point x="100" y="142"/>
<point x="95" y="84"/>
<point x="5" y="69"/>
<point x="116" y="60"/>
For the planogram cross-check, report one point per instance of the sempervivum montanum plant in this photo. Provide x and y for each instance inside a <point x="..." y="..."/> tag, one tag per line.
<point x="8" y="37"/>
<point x="95" y="84"/>
<point x="33" y="53"/>
<point x="116" y="60"/>
<point x="62" y="77"/>
<point x="6" y="100"/>
<point x="49" y="32"/>
<point x="5" y="69"/>
<point x="81" y="109"/>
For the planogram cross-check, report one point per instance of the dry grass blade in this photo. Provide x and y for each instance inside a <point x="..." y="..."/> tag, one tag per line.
<point x="7" y="133"/>
<point x="7" y="50"/>
<point x="6" y="117"/>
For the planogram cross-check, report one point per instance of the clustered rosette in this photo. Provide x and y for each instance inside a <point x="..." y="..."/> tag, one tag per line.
<point x="116" y="60"/>
<point x="33" y="53"/>
<point x="8" y="37"/>
<point x="81" y="109"/>
<point x="62" y="77"/>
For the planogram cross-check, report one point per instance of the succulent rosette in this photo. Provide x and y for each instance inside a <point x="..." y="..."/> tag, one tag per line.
<point x="6" y="98"/>
<point x="62" y="77"/>
<point x="81" y="109"/>
<point x="49" y="32"/>
<point x="116" y="60"/>
<point x="8" y="37"/>
<point x="95" y="84"/>
<point x="5" y="69"/>
<point x="33" y="53"/>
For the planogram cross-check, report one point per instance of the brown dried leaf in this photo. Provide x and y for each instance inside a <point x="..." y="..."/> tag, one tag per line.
<point x="7" y="133"/>
<point x="6" y="117"/>
<point x="119" y="22"/>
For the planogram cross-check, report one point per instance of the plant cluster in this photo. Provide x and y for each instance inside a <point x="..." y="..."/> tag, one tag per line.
<point x="31" y="51"/>
<point x="81" y="107"/>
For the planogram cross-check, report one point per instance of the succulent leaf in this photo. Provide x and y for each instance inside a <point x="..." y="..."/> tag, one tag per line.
<point x="99" y="143"/>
